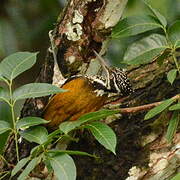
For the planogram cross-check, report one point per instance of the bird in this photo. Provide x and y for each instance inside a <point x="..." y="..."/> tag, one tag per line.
<point x="86" y="94"/>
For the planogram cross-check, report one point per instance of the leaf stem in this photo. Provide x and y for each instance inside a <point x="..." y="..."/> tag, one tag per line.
<point x="5" y="174"/>
<point x="3" y="159"/>
<point x="167" y="37"/>
<point x="5" y="80"/>
<point x="13" y="120"/>
<point x="172" y="48"/>
<point x="143" y="107"/>
<point x="175" y="60"/>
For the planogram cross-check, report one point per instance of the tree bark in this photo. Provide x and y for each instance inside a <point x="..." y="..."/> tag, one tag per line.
<point x="142" y="151"/>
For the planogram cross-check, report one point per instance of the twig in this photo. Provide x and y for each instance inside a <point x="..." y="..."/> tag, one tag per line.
<point x="143" y="107"/>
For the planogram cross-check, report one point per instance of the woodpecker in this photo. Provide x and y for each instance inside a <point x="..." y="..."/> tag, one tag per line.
<point x="86" y="94"/>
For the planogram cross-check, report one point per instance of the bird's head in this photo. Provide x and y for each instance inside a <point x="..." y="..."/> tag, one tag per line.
<point x="116" y="80"/>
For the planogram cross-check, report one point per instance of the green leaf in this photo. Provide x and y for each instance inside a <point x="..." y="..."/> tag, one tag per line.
<point x="163" y="56"/>
<point x="36" y="150"/>
<point x="174" y="34"/>
<point x="1" y="77"/>
<point x="17" y="63"/>
<point x="37" y="134"/>
<point x="174" y="107"/>
<point x="134" y="25"/>
<point x="103" y="134"/>
<point x="33" y="90"/>
<point x="64" y="167"/>
<point x="176" y="177"/>
<point x="4" y="95"/>
<point x="4" y="126"/>
<point x="171" y="76"/>
<point x="159" y="16"/>
<point x="55" y="133"/>
<point x="48" y="165"/>
<point x="30" y="121"/>
<point x="158" y="109"/>
<point x="173" y="124"/>
<point x="32" y="164"/>
<point x="5" y="113"/>
<point x="81" y="153"/>
<point x="19" y="166"/>
<point x="92" y="116"/>
<point x="145" y="50"/>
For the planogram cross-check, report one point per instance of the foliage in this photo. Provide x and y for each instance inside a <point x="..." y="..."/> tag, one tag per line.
<point x="154" y="47"/>
<point x="30" y="128"/>
<point x="176" y="177"/>
<point x="136" y="8"/>
<point x="173" y="124"/>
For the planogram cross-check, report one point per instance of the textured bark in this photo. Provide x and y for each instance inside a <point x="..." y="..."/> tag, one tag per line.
<point x="83" y="26"/>
<point x="141" y="150"/>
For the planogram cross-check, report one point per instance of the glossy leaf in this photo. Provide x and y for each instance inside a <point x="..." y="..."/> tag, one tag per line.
<point x="30" y="121"/>
<point x="37" y="134"/>
<point x="145" y="50"/>
<point x="33" y="90"/>
<point x="173" y="124"/>
<point x="19" y="166"/>
<point x="36" y="150"/>
<point x="4" y="126"/>
<point x="103" y="134"/>
<point x="171" y="76"/>
<point x="92" y="116"/>
<point x="156" y="13"/>
<point x="81" y="153"/>
<point x="55" y="133"/>
<point x="174" y="107"/>
<point x="17" y="63"/>
<point x="158" y="109"/>
<point x="64" y="167"/>
<point x="134" y="25"/>
<point x="176" y="177"/>
<point x="4" y="95"/>
<point x="32" y="164"/>
<point x="174" y="34"/>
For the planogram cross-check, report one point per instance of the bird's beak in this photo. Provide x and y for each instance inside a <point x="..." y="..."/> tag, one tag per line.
<point x="106" y="69"/>
<point x="102" y="62"/>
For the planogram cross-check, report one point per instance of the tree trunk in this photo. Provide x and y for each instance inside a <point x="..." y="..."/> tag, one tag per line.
<point x="142" y="151"/>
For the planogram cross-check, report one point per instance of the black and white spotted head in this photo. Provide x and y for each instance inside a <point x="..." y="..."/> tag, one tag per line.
<point x="116" y="80"/>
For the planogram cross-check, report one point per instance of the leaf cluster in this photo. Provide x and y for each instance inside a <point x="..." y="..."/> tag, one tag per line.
<point x="154" y="47"/>
<point x="31" y="129"/>
<point x="60" y="160"/>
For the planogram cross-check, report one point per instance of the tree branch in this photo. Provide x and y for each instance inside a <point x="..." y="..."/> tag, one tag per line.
<point x="144" y="107"/>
